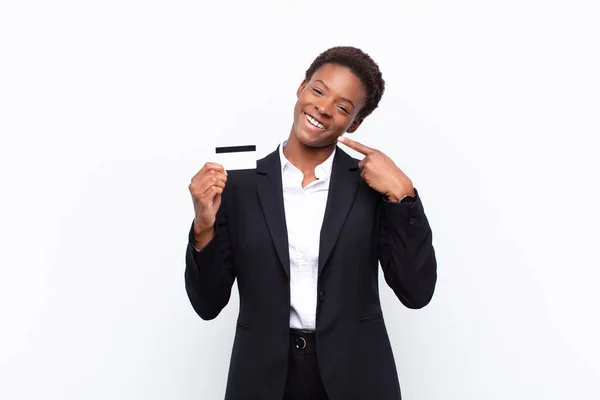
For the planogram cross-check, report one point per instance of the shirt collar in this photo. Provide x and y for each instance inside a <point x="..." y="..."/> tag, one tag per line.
<point x="322" y="171"/>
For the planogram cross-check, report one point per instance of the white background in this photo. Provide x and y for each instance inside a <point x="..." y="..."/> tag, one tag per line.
<point x="108" y="108"/>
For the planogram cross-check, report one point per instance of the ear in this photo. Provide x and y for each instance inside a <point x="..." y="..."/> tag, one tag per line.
<point x="354" y="125"/>
<point x="301" y="88"/>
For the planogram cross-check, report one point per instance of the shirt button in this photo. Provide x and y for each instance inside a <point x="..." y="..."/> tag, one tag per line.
<point x="322" y="295"/>
<point x="412" y="221"/>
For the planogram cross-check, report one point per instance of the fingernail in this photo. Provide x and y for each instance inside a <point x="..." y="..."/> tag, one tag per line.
<point x="341" y="139"/>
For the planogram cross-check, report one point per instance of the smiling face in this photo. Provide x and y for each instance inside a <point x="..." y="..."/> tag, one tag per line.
<point x="327" y="106"/>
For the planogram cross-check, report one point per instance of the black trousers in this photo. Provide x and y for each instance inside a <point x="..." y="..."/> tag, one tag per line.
<point x="303" y="378"/>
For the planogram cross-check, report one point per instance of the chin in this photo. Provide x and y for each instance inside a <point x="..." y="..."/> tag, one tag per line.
<point x="314" y="141"/>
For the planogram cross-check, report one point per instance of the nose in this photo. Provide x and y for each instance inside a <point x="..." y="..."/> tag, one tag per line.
<point x="324" y="107"/>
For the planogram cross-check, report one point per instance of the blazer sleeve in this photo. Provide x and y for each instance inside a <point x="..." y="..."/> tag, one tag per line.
<point x="406" y="252"/>
<point x="210" y="273"/>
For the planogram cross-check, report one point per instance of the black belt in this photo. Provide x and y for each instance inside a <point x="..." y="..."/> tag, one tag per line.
<point x="303" y="342"/>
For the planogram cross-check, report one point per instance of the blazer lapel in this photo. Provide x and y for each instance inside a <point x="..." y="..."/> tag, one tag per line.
<point x="342" y="192"/>
<point x="270" y="194"/>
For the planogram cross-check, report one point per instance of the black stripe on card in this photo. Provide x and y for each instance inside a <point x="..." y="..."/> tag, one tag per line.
<point x="235" y="149"/>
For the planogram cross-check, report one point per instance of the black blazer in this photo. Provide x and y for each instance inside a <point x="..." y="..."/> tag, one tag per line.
<point x="359" y="229"/>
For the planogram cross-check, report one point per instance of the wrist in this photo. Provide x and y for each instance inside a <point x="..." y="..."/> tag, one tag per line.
<point x="201" y="227"/>
<point x="203" y="237"/>
<point x="202" y="232"/>
<point x="395" y="196"/>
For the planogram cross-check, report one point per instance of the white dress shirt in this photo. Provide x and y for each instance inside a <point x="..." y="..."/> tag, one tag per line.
<point x="304" y="211"/>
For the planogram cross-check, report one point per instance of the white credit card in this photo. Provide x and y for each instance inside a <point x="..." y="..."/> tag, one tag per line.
<point x="236" y="157"/>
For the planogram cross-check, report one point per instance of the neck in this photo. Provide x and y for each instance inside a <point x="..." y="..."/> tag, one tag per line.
<point x="306" y="158"/>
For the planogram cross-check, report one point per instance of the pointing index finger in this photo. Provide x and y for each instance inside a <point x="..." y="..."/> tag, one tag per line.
<point x="354" y="145"/>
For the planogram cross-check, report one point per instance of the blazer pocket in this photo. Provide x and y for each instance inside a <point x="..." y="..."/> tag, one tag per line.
<point x="371" y="318"/>
<point x="244" y="327"/>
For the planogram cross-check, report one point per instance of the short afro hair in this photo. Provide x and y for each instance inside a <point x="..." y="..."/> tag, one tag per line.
<point x="362" y="65"/>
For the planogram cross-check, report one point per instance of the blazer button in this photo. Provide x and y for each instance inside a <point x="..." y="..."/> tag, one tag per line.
<point x="322" y="295"/>
<point x="412" y="221"/>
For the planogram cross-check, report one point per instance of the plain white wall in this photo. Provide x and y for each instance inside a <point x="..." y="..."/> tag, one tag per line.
<point x="108" y="108"/>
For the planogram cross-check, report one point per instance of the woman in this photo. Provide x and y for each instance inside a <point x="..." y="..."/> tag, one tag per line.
<point x="303" y="234"/>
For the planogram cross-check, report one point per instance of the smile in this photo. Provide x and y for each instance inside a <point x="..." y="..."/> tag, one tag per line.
<point x="314" y="122"/>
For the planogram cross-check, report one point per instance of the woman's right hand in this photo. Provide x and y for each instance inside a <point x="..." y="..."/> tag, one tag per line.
<point x="206" y="189"/>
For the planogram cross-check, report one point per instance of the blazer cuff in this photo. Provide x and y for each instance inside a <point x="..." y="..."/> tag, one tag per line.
<point x="411" y="215"/>
<point x="207" y="251"/>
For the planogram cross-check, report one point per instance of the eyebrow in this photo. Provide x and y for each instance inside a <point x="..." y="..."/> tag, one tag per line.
<point x="327" y="87"/>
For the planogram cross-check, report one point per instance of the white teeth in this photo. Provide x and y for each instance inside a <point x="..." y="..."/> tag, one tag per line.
<point x="314" y="121"/>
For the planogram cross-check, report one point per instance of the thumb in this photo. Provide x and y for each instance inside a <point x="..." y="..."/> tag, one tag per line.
<point x="216" y="201"/>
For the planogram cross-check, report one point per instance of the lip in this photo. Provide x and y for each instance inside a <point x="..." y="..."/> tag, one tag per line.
<point x="311" y="125"/>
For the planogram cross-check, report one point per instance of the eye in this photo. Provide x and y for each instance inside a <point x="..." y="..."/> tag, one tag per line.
<point x="344" y="109"/>
<point x="317" y="91"/>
